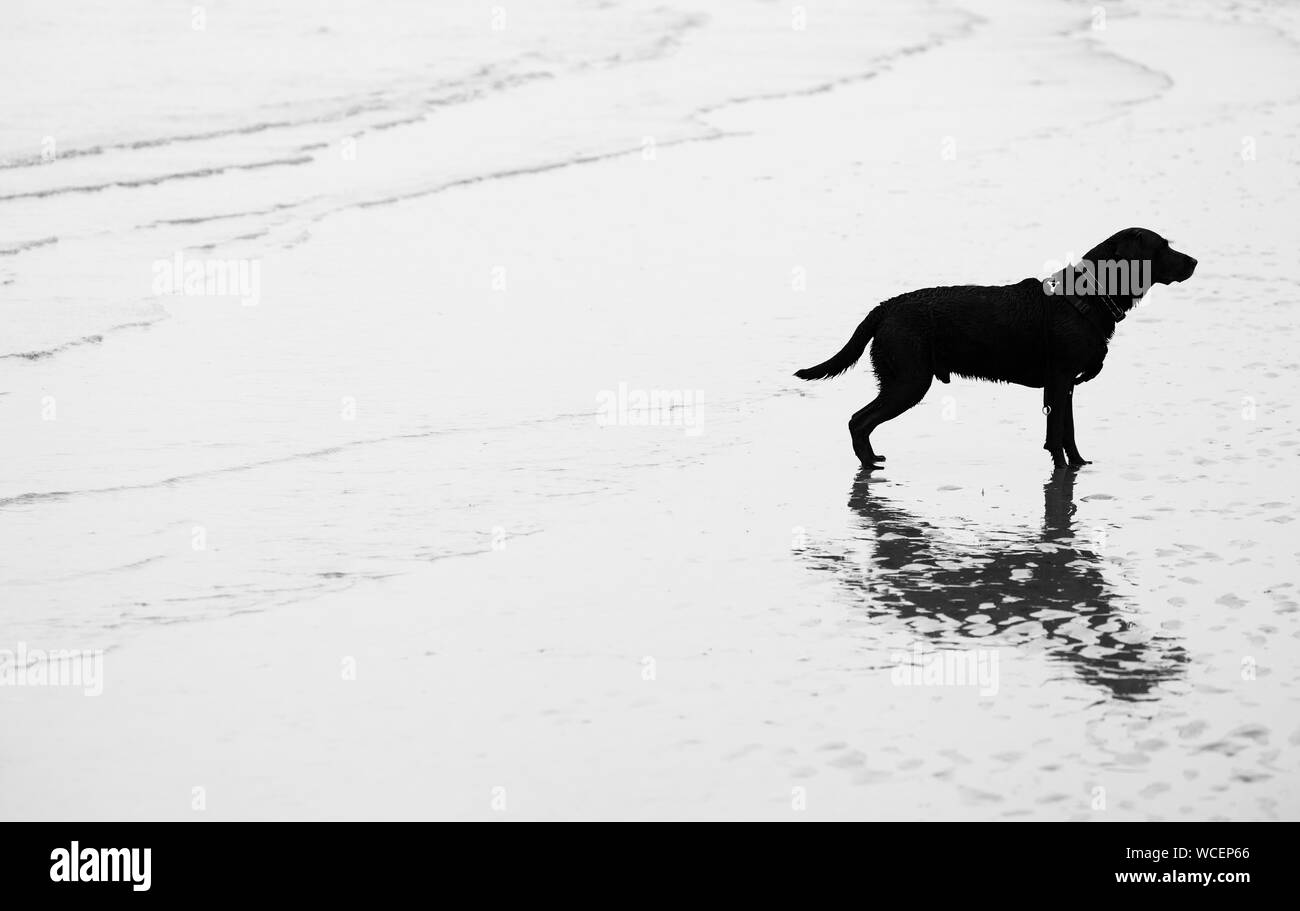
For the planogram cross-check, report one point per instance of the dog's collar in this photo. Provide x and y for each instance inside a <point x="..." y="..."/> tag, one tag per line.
<point x="1095" y="316"/>
<point x="1117" y="314"/>
<point x="1085" y="309"/>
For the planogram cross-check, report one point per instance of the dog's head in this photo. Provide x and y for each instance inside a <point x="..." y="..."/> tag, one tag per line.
<point x="1146" y="252"/>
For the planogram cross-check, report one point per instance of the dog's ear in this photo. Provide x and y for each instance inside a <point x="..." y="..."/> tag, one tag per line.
<point x="1120" y="245"/>
<point x="1106" y="250"/>
<point x="1127" y="244"/>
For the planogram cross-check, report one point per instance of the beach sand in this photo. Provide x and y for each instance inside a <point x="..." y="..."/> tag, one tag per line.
<point x="440" y="577"/>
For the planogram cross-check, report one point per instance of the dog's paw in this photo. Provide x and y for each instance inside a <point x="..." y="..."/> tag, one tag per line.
<point x="867" y="456"/>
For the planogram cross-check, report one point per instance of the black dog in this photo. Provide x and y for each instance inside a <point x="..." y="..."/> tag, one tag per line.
<point x="1045" y="334"/>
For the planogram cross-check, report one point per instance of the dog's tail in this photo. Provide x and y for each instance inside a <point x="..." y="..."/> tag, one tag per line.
<point x="849" y="354"/>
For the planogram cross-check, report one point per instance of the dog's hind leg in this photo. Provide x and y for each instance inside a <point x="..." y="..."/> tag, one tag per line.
<point x="1071" y="448"/>
<point x="862" y="445"/>
<point x="897" y="394"/>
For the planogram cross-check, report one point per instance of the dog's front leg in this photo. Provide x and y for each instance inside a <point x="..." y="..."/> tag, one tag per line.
<point x="1056" y="405"/>
<point x="1071" y="448"/>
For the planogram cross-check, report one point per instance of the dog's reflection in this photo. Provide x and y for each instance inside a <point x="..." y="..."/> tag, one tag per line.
<point x="1009" y="588"/>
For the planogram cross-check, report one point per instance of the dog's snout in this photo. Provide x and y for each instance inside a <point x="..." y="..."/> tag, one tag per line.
<point x="1180" y="266"/>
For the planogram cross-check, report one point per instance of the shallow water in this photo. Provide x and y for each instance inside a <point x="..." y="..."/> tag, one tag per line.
<point x="399" y="454"/>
